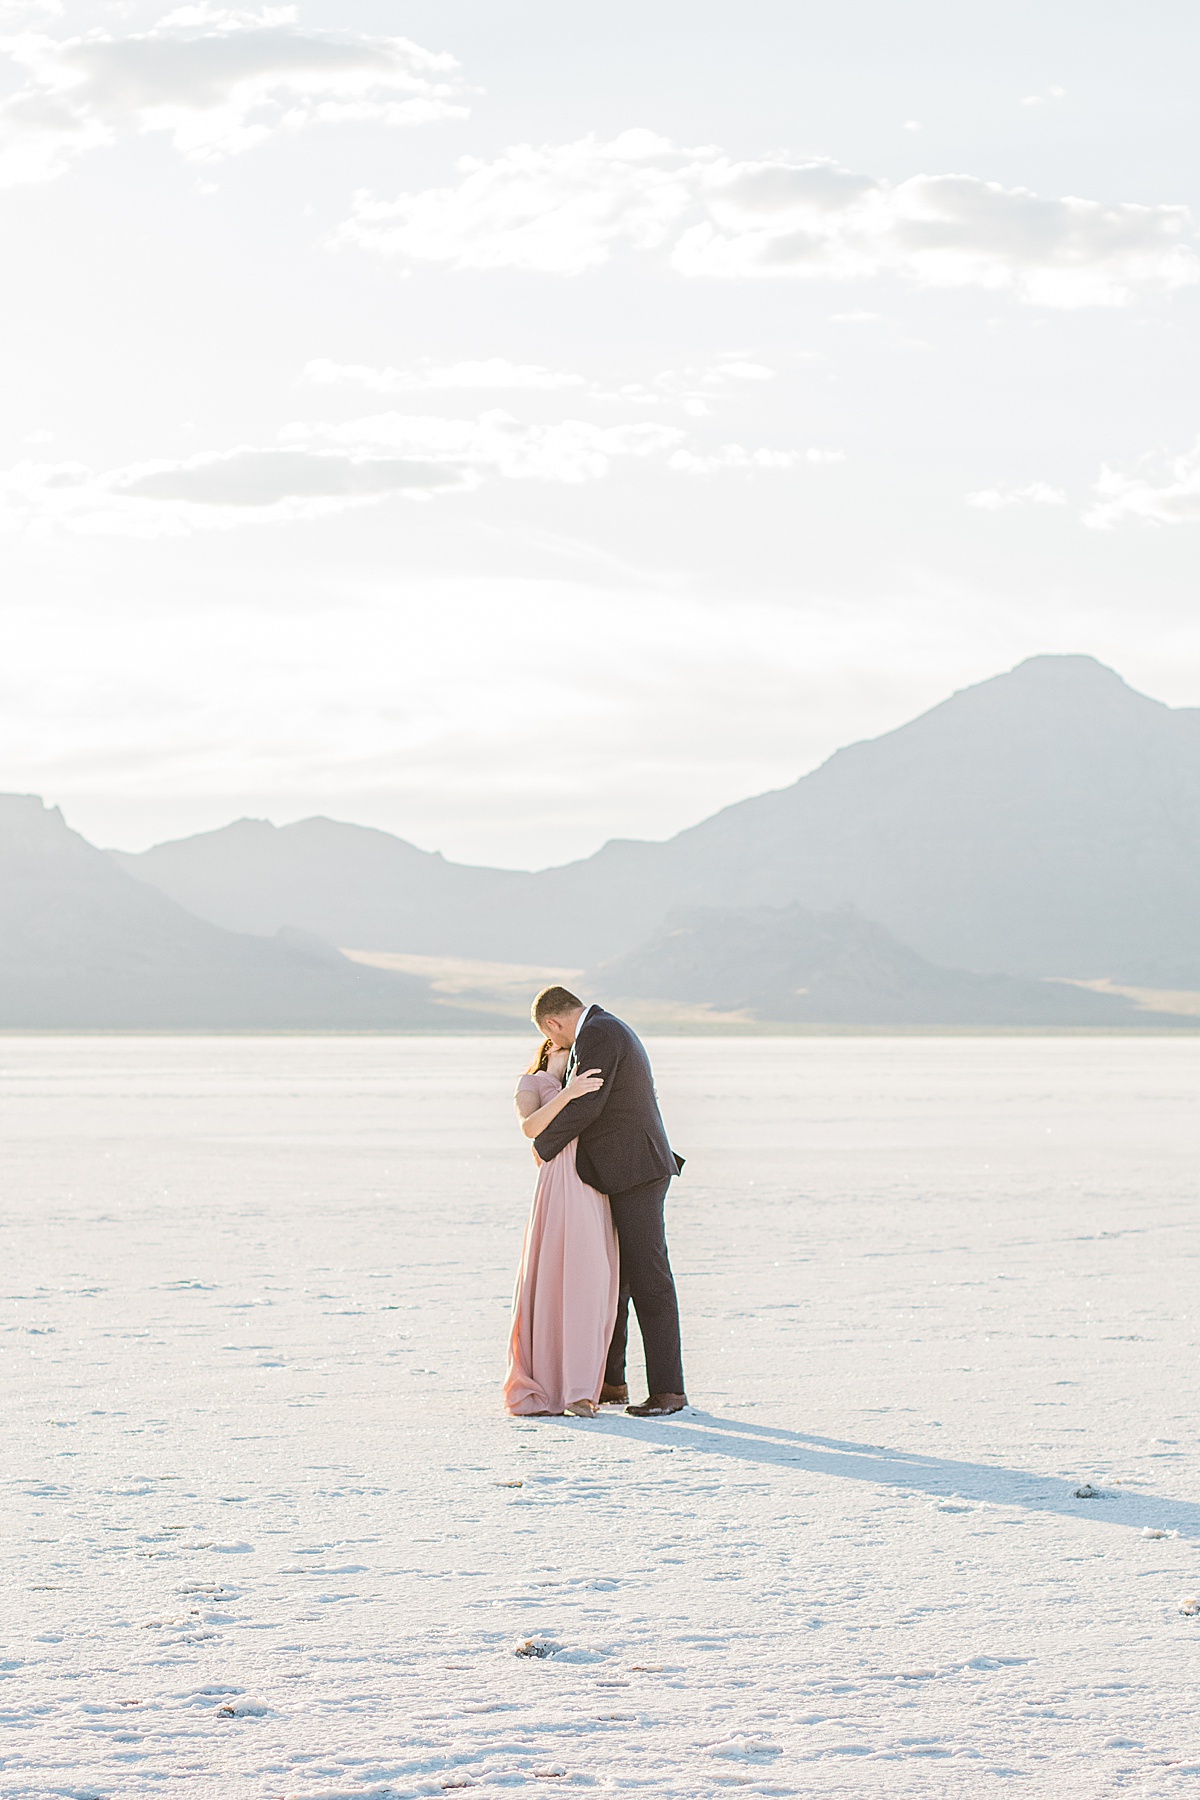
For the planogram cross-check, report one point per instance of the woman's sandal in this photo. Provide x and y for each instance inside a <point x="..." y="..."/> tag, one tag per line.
<point x="584" y="1409"/>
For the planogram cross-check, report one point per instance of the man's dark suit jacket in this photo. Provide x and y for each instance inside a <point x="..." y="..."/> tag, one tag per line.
<point x="622" y="1140"/>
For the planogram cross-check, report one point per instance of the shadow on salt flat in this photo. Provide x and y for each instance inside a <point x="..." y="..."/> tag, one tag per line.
<point x="941" y="1477"/>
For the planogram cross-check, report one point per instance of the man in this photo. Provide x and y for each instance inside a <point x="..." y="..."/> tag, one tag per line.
<point x="623" y="1152"/>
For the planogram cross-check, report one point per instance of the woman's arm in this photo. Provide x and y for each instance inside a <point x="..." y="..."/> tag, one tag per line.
<point x="532" y="1122"/>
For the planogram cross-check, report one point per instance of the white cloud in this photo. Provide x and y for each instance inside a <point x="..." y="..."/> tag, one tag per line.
<point x="1038" y="493"/>
<point x="696" y="386"/>
<point x="1046" y="97"/>
<point x="163" y="498"/>
<point x="317" y="469"/>
<point x="562" y="209"/>
<point x="256" y="478"/>
<point x="217" y="82"/>
<point x="740" y="370"/>
<point x="731" y="456"/>
<point x="491" y="372"/>
<point x="557" y="210"/>
<point x="1169" y="495"/>
<point x="691" y="387"/>
<point x="571" y="450"/>
<point x="940" y="231"/>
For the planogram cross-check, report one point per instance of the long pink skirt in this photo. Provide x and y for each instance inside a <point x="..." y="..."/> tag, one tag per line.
<point x="565" y="1303"/>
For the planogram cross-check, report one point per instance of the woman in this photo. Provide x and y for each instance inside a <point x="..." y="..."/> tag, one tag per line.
<point x="565" y="1302"/>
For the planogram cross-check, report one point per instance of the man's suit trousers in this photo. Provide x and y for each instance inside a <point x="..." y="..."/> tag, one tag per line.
<point x="646" y="1279"/>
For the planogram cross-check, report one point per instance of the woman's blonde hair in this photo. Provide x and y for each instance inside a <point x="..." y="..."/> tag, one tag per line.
<point x="540" y="1061"/>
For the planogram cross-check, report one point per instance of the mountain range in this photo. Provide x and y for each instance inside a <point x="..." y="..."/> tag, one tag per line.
<point x="1044" y="822"/>
<point x="84" y="945"/>
<point x="1035" y="832"/>
<point x="788" y="965"/>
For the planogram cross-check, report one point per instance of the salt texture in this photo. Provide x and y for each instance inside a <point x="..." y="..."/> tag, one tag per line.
<point x="270" y="1537"/>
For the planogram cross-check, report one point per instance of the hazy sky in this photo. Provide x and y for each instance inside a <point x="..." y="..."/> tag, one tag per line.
<point x="519" y="425"/>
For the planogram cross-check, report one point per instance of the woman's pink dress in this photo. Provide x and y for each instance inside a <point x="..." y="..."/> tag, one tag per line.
<point x="565" y="1302"/>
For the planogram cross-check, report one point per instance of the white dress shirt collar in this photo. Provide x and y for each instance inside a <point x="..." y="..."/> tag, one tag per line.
<point x="573" y="1059"/>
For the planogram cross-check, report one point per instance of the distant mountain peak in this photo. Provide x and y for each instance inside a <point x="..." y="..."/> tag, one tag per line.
<point x="15" y="806"/>
<point x="1071" y="662"/>
<point x="1066" y="673"/>
<point x="1041" y="698"/>
<point x="242" y="829"/>
<point x="29" y="826"/>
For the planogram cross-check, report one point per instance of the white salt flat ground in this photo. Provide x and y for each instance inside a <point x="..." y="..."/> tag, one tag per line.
<point x="263" y="1533"/>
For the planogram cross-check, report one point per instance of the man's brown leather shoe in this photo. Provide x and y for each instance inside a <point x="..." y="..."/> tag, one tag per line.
<point x="657" y="1405"/>
<point x="614" y="1393"/>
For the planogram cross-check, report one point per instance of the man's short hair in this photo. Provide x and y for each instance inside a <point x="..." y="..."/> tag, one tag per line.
<point x="554" y="1002"/>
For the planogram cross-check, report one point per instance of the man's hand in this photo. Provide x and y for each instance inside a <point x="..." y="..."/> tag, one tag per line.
<point x="537" y="1159"/>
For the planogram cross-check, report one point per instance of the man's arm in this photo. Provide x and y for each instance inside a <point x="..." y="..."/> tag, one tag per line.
<point x="597" y="1047"/>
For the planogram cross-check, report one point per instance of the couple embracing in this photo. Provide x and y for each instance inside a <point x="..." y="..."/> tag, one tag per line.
<point x="596" y="1237"/>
